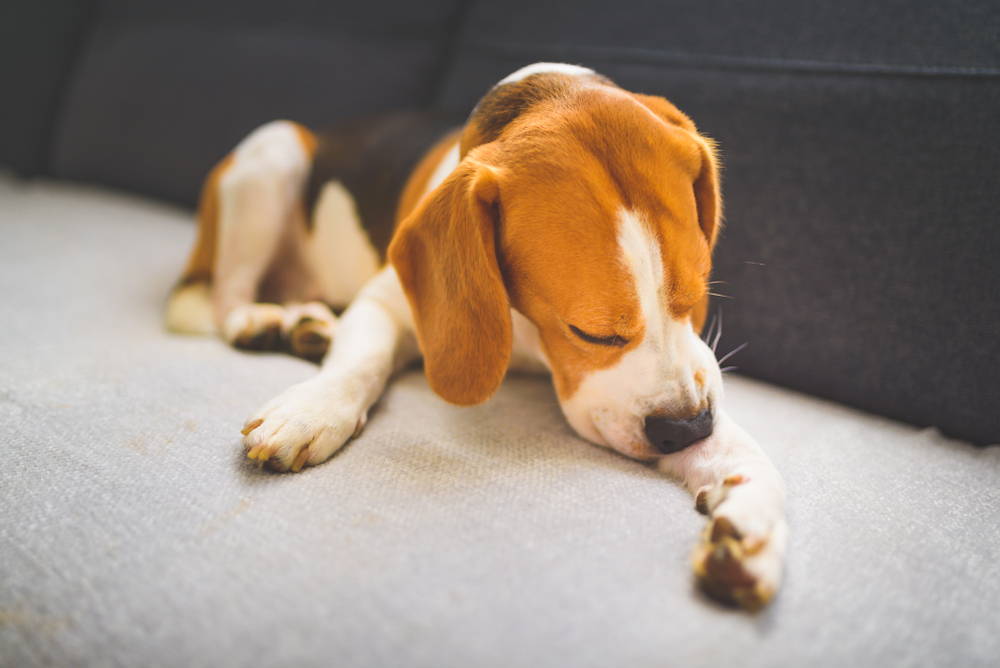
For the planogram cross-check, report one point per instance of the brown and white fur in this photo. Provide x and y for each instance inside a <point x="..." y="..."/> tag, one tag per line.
<point x="568" y="227"/>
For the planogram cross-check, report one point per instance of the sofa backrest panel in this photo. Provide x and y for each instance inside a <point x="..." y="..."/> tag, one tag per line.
<point x="164" y="89"/>
<point x="861" y="178"/>
<point x="39" y="44"/>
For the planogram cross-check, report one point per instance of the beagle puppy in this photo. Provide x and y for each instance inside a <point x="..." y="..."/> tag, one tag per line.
<point x="567" y="227"/>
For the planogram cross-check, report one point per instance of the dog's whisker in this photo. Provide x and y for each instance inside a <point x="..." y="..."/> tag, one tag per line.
<point x="718" y="334"/>
<point x="707" y="336"/>
<point x="733" y="351"/>
<point x="727" y="369"/>
<point x="719" y="294"/>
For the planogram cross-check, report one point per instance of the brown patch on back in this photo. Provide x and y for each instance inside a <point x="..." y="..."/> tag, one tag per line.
<point x="373" y="158"/>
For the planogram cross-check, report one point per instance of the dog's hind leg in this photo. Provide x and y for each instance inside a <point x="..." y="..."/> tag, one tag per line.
<point x="258" y="195"/>
<point x="189" y="307"/>
<point x="248" y="206"/>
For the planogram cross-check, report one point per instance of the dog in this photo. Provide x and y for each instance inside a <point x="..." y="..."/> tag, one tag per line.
<point x="567" y="227"/>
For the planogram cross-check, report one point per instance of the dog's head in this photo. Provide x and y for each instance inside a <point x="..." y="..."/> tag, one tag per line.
<point x="592" y="212"/>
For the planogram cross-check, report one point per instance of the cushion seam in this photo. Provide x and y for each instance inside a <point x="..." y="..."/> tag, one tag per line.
<point x="639" y="55"/>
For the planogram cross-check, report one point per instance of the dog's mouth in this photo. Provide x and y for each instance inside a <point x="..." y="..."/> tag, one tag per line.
<point x="627" y="440"/>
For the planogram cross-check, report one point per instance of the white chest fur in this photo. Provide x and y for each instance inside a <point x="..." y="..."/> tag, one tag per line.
<point x="339" y="254"/>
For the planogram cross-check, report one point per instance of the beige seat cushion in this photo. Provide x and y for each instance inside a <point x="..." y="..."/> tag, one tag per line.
<point x="134" y="533"/>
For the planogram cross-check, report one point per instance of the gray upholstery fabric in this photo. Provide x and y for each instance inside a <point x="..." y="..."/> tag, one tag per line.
<point x="133" y="533"/>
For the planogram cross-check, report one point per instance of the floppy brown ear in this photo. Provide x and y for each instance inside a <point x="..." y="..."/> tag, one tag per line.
<point x="445" y="255"/>
<point x="706" y="184"/>
<point x="706" y="191"/>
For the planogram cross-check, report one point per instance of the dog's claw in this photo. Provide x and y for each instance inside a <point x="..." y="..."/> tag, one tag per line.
<point x="300" y="459"/>
<point x="360" y="426"/>
<point x="251" y="425"/>
<point x="304" y="425"/>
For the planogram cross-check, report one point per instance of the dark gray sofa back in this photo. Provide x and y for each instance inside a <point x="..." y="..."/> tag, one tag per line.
<point x="163" y="89"/>
<point x="39" y="42"/>
<point x="859" y="141"/>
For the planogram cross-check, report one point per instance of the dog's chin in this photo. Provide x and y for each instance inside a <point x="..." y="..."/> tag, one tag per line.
<point x="621" y="434"/>
<point x="633" y="447"/>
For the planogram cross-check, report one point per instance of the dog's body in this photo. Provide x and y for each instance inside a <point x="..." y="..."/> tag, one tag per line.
<point x="567" y="226"/>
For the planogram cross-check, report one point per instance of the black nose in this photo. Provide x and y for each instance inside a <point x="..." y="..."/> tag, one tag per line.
<point x="669" y="435"/>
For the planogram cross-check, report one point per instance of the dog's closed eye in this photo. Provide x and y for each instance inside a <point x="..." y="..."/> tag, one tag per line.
<point x="613" y="340"/>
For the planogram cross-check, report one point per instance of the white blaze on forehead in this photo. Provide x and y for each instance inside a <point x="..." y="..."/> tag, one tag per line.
<point x="641" y="253"/>
<point x="541" y="68"/>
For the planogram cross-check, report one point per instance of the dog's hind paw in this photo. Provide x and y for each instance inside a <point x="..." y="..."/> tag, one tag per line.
<point x="308" y="329"/>
<point x="254" y="326"/>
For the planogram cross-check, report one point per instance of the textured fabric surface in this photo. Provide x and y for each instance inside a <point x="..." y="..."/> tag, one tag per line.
<point x="132" y="532"/>
<point x="860" y="179"/>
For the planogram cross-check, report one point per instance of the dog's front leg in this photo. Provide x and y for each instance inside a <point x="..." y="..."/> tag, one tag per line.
<point x="310" y="421"/>
<point x="742" y="551"/>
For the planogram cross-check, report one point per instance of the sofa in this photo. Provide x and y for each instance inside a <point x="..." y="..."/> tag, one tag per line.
<point x="858" y="261"/>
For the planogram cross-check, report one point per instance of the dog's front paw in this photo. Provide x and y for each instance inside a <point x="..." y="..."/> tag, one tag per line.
<point x="742" y="551"/>
<point x="304" y="425"/>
